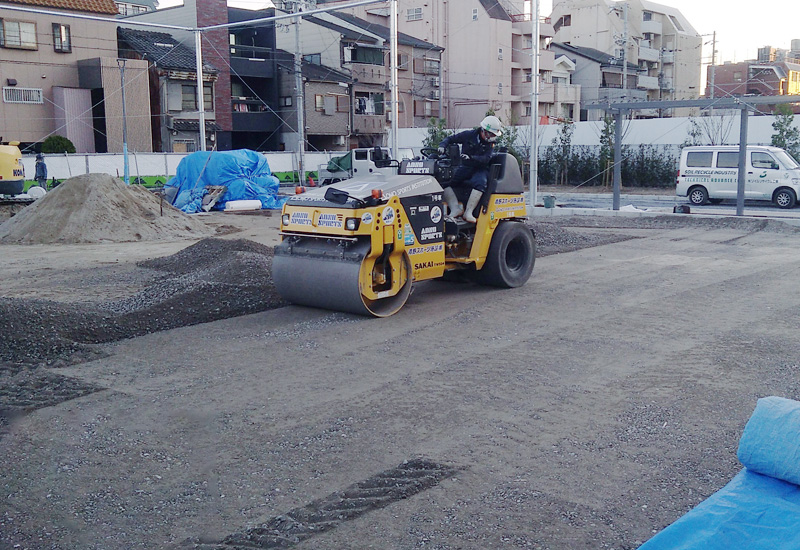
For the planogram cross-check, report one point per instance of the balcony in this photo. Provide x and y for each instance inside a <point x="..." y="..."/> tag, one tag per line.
<point x="367" y="73"/>
<point x="648" y="54"/>
<point x="251" y="115"/>
<point x="252" y="61"/>
<point x="648" y="82"/>
<point x="652" y="26"/>
<point x="369" y="124"/>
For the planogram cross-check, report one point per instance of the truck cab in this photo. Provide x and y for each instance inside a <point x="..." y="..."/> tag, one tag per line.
<point x="360" y="162"/>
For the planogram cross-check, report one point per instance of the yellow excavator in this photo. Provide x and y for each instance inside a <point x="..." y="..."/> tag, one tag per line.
<point x="358" y="246"/>
<point x="12" y="172"/>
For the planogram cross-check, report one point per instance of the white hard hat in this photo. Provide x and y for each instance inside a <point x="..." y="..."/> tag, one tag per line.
<point x="492" y="125"/>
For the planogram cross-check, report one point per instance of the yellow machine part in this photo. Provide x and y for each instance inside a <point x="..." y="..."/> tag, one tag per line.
<point x="500" y="207"/>
<point x="12" y="172"/>
<point x="322" y="264"/>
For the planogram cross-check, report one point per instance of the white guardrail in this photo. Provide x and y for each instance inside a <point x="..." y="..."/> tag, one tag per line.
<point x="162" y="165"/>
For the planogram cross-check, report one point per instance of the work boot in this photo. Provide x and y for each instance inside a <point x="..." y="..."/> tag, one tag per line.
<point x="474" y="198"/>
<point x="454" y="209"/>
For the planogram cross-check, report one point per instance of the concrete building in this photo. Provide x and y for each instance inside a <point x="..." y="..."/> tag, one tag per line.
<point x="486" y="63"/>
<point x="755" y="78"/>
<point x="661" y="44"/>
<point x="327" y="107"/>
<point x="173" y="88"/>
<point x="60" y="76"/>
<point x="359" y="48"/>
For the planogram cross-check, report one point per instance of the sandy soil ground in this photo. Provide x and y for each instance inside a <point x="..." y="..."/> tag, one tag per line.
<point x="164" y="398"/>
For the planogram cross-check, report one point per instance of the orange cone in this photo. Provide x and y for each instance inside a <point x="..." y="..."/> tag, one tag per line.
<point x="311" y="182"/>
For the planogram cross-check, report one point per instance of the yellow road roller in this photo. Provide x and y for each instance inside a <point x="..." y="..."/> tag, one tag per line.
<point x="12" y="172"/>
<point x="359" y="245"/>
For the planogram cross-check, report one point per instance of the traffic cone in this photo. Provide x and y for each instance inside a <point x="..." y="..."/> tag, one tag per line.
<point x="311" y="182"/>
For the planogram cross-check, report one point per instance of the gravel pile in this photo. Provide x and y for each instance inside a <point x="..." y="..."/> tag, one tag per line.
<point x="211" y="280"/>
<point x="96" y="208"/>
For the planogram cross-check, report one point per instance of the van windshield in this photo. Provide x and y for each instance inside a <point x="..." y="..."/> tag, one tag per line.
<point x="787" y="160"/>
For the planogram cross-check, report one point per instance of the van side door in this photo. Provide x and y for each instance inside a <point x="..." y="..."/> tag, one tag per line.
<point x="725" y="180"/>
<point x="763" y="175"/>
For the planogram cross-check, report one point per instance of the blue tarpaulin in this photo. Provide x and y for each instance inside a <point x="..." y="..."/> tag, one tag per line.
<point x="245" y="173"/>
<point x="759" y="509"/>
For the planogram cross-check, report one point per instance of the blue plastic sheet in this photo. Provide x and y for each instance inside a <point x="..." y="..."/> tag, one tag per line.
<point x="245" y="173"/>
<point x="756" y="511"/>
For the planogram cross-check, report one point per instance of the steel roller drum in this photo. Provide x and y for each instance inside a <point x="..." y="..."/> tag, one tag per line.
<point x="325" y="274"/>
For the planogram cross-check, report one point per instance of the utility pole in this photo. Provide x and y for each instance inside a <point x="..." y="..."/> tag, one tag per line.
<point x="534" y="156"/>
<point x="713" y="61"/>
<point x="201" y="104"/>
<point x="126" y="170"/>
<point x="624" y="49"/>
<point x="298" y="82"/>
<point x="393" y="70"/>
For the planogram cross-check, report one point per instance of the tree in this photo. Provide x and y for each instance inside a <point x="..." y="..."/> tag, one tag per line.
<point x="607" y="148"/>
<point x="786" y="135"/>
<point x="436" y="133"/>
<point x="57" y="144"/>
<point x="694" y="134"/>
<point x="563" y="149"/>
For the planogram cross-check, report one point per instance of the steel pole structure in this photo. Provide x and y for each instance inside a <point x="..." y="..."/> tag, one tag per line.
<point x="126" y="166"/>
<point x="534" y="156"/>
<point x="298" y="82"/>
<point x="393" y="70"/>
<point x="201" y="107"/>
<point x="617" y="157"/>
<point x="742" y="160"/>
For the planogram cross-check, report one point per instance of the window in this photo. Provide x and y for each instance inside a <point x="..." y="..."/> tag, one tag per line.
<point x="189" y="97"/>
<point x="528" y="75"/>
<point x="563" y="21"/>
<point x="286" y="101"/>
<point x="18" y="34"/>
<point x="23" y="95"/>
<point x="342" y="104"/>
<point x="763" y="160"/>
<point x="313" y="58"/>
<point x="361" y="54"/>
<point x="183" y="146"/>
<point x="424" y="65"/>
<point x="677" y="23"/>
<point x="319" y="102"/>
<point x="727" y="160"/>
<point x="474" y="14"/>
<point x="737" y="76"/>
<point x="414" y="14"/>
<point x="699" y="159"/>
<point x="62" y="40"/>
<point x="402" y="62"/>
<point x="647" y="16"/>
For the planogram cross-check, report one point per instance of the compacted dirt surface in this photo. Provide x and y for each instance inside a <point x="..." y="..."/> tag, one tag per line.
<point x="159" y="394"/>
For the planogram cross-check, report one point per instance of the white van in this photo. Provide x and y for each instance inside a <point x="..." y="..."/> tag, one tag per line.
<point x="711" y="174"/>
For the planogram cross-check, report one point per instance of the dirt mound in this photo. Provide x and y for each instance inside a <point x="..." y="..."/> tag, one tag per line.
<point x="95" y="208"/>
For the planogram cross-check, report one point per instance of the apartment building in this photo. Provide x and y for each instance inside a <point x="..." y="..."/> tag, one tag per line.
<point x="486" y="63"/>
<point x="360" y="49"/>
<point x="60" y="75"/>
<point x="754" y="78"/>
<point x="661" y="43"/>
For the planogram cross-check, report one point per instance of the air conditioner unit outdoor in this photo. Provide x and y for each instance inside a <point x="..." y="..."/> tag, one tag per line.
<point x="435" y="94"/>
<point x="339" y="140"/>
<point x="435" y="81"/>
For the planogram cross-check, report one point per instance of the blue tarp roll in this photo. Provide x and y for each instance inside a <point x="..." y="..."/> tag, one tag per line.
<point x="245" y="173"/>
<point x="770" y="443"/>
<point x="759" y="509"/>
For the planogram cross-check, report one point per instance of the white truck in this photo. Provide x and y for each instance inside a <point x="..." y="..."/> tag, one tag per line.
<point x="364" y="160"/>
<point x="711" y="174"/>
